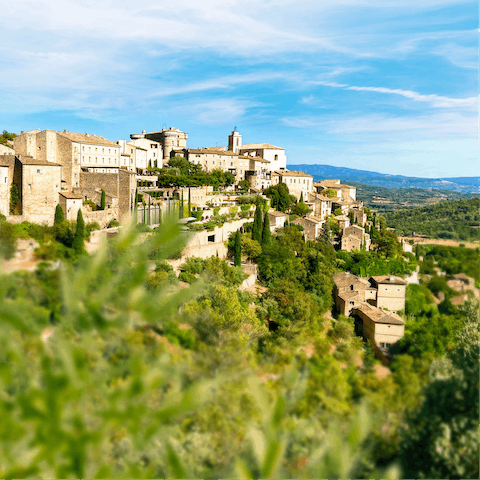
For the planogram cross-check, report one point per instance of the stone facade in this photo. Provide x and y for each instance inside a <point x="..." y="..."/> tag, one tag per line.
<point x="390" y="292"/>
<point x="355" y="238"/>
<point x="311" y="227"/>
<point x="297" y="182"/>
<point x="127" y="185"/>
<point x="350" y="291"/>
<point x="154" y="152"/>
<point x="71" y="203"/>
<point x="321" y="206"/>
<point x="39" y="184"/>
<point x="277" y="219"/>
<point x="7" y="163"/>
<point x="383" y="329"/>
<point x="169" y="138"/>
<point x="4" y="150"/>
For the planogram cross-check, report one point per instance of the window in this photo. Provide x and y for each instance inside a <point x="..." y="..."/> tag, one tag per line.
<point x="276" y="157"/>
<point x="39" y="171"/>
<point x="103" y="150"/>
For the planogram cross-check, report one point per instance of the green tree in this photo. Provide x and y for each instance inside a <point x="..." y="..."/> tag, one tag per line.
<point x="440" y="439"/>
<point x="300" y="209"/>
<point x="280" y="197"/>
<point x="257" y="225"/>
<point x="103" y="200"/>
<point x="14" y="198"/>
<point x="266" y="233"/>
<point x="59" y="215"/>
<point x="5" y="136"/>
<point x="301" y="198"/>
<point x="244" y="184"/>
<point x="329" y="192"/>
<point x="237" y="259"/>
<point x="78" y="241"/>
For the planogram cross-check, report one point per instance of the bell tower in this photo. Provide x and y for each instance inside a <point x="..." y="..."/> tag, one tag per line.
<point x="234" y="141"/>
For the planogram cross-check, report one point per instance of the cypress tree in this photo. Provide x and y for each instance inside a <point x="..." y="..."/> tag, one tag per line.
<point x="79" y="238"/>
<point x="257" y="225"/>
<point x="301" y="197"/>
<point x="180" y="210"/>
<point x="266" y="234"/>
<point x="102" y="200"/>
<point x="237" y="259"/>
<point x="59" y="215"/>
<point x="189" y="203"/>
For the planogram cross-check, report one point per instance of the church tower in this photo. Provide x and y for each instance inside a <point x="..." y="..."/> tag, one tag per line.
<point x="234" y="141"/>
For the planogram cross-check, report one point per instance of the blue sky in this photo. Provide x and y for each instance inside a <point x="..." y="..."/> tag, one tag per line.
<point x="390" y="86"/>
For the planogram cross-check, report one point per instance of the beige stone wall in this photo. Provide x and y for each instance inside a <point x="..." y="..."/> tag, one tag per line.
<point x="26" y="144"/>
<point x="102" y="217"/>
<point x="350" y="243"/>
<point x="70" y="206"/>
<point x="298" y="185"/>
<point x="385" y="333"/>
<point x="90" y="182"/>
<point x="391" y="297"/>
<point x="4" y="150"/>
<point x="127" y="184"/>
<point x="40" y="188"/>
<point x="5" y="185"/>
<point x="311" y="230"/>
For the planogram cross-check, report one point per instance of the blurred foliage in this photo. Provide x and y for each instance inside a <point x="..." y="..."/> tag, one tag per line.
<point x="110" y="367"/>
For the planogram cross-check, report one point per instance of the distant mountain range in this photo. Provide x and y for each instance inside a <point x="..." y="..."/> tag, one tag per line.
<point x="454" y="184"/>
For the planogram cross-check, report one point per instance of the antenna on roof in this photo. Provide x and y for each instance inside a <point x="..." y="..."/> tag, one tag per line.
<point x="235" y="128"/>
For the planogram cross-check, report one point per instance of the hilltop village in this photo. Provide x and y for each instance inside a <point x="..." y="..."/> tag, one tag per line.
<point x="216" y="191"/>
<point x="176" y="312"/>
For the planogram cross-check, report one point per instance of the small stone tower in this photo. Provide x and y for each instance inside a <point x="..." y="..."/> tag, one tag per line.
<point x="234" y="141"/>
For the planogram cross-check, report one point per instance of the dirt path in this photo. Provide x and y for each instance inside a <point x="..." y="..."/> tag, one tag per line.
<point x="439" y="241"/>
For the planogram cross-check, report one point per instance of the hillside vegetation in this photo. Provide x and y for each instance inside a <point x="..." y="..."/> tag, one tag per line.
<point x="385" y="199"/>
<point x="457" y="220"/>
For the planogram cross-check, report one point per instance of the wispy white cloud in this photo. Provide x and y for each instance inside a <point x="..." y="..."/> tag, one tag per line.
<point x="437" y="101"/>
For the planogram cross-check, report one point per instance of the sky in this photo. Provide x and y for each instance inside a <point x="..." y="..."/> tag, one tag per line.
<point x="382" y="85"/>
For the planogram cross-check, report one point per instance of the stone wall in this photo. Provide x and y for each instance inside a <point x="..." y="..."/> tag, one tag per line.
<point x="5" y="185"/>
<point x="127" y="185"/>
<point x="391" y="297"/>
<point x="40" y="189"/>
<point x="4" y="150"/>
<point x="102" y="217"/>
<point x="90" y="182"/>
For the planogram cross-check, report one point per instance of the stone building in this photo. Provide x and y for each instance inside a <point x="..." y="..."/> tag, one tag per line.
<point x="71" y="203"/>
<point x="321" y="206"/>
<point x="277" y="219"/>
<point x="146" y="152"/>
<point x="5" y="150"/>
<point x="351" y="291"/>
<point x="275" y="155"/>
<point x="312" y="227"/>
<point x="38" y="183"/>
<point x="298" y="183"/>
<point x="354" y="238"/>
<point x="7" y="163"/>
<point x="170" y="139"/>
<point x="390" y="292"/>
<point x="75" y="152"/>
<point x="383" y="329"/>
<point x="344" y="192"/>
<point x="386" y="291"/>
<point x="134" y="157"/>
